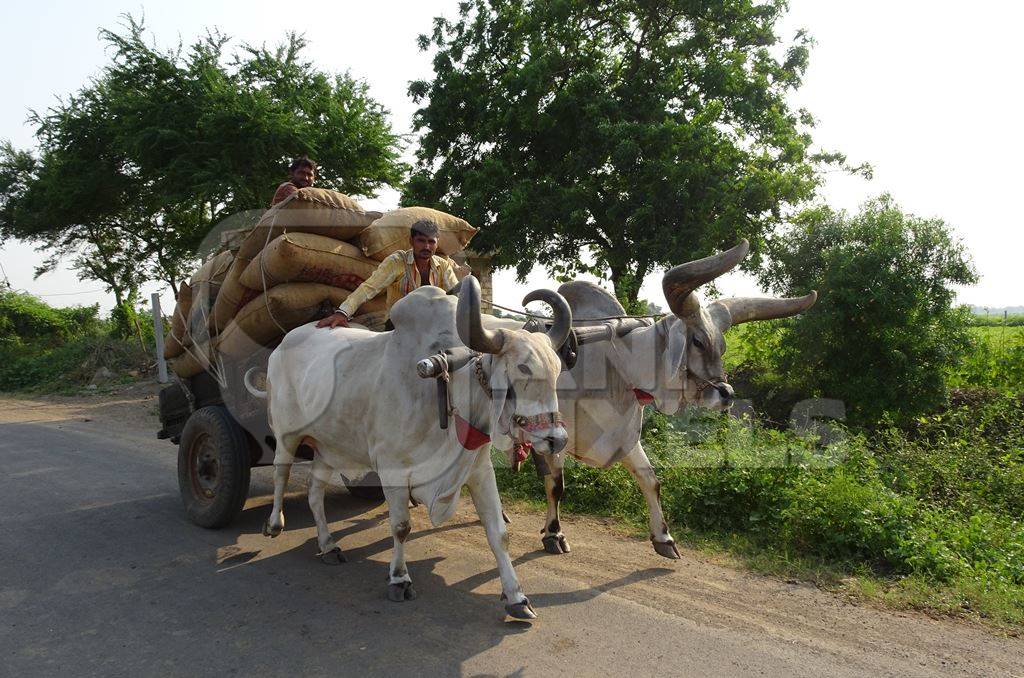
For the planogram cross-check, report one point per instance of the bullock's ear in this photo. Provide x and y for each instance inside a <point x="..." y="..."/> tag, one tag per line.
<point x="720" y="315"/>
<point x="501" y="409"/>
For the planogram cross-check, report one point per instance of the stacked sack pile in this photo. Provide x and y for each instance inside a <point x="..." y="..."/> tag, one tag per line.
<point x="303" y="258"/>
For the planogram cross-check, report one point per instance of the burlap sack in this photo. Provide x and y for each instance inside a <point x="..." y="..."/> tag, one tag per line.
<point x="305" y="257"/>
<point x="192" y="361"/>
<point x="214" y="270"/>
<point x="177" y="339"/>
<point x="390" y="233"/>
<point x="272" y="314"/>
<point x="232" y="296"/>
<point x="309" y="210"/>
<point x="206" y="285"/>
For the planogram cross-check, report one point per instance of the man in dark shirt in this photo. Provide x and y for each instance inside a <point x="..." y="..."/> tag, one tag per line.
<point x="303" y="174"/>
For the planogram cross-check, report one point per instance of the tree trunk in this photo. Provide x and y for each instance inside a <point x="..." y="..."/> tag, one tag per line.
<point x="627" y="287"/>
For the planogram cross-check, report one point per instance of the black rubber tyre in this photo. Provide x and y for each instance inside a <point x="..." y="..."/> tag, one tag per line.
<point x="213" y="467"/>
<point x="367" y="487"/>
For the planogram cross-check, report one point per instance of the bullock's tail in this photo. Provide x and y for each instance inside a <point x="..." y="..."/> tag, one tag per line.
<point x="253" y="391"/>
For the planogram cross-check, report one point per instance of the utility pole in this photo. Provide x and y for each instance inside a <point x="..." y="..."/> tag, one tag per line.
<point x="158" y="333"/>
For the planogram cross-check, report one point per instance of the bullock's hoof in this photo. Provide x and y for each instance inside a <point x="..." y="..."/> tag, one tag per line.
<point x="521" y="610"/>
<point x="401" y="592"/>
<point x="555" y="544"/>
<point x="504" y="516"/>
<point x="271" y="530"/>
<point x="666" y="549"/>
<point x="332" y="557"/>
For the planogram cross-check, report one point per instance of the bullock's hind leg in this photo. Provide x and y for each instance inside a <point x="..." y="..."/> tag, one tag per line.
<point x="550" y="471"/>
<point x="320" y="475"/>
<point x="284" y="456"/>
<point x="484" y="490"/>
<point x="640" y="467"/>
<point x="399" y="582"/>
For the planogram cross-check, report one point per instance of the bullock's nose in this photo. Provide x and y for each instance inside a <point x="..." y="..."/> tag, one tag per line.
<point x="725" y="391"/>
<point x="556" y="440"/>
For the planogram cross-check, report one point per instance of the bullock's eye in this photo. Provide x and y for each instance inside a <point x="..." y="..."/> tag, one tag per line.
<point x="525" y="369"/>
<point x="697" y="342"/>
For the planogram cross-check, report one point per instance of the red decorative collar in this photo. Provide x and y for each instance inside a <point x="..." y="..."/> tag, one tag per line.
<point x="469" y="436"/>
<point x="643" y="397"/>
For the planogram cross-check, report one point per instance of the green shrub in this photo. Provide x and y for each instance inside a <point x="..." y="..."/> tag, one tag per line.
<point x="59" y="348"/>
<point x="26" y="320"/>
<point x="884" y="328"/>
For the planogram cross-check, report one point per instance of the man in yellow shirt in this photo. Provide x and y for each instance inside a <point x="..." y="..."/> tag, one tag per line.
<point x="400" y="273"/>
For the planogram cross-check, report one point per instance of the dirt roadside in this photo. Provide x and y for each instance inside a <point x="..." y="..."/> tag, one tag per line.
<point x="607" y="558"/>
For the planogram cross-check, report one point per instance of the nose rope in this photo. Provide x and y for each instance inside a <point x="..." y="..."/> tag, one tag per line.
<point x="537" y="422"/>
<point x="703" y="384"/>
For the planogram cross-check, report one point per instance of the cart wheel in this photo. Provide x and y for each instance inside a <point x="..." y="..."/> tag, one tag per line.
<point x="367" y="487"/>
<point x="213" y="467"/>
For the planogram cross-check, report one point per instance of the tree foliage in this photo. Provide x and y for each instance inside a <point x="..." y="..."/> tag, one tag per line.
<point x="132" y="171"/>
<point x="884" y="331"/>
<point x="643" y="133"/>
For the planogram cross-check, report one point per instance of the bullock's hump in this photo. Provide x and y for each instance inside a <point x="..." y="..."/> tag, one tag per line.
<point x="424" y="307"/>
<point x="588" y="300"/>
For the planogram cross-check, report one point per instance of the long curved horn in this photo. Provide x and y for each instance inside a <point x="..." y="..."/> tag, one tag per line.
<point x="747" y="309"/>
<point x="683" y="279"/>
<point x="467" y="320"/>
<point x="562" y="321"/>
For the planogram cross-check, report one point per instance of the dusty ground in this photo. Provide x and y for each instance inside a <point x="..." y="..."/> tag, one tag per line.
<point x="100" y="574"/>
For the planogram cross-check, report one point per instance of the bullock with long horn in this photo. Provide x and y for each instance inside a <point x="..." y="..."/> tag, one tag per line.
<point x="623" y="365"/>
<point x="355" y="398"/>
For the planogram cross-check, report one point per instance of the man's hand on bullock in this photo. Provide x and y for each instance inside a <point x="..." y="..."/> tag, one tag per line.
<point x="336" y="319"/>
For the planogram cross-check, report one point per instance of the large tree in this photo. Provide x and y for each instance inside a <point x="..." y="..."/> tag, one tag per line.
<point x="641" y="132"/>
<point x="164" y="144"/>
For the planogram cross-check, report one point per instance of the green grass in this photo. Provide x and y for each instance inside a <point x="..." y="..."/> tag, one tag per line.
<point x="928" y="517"/>
<point x="997" y="320"/>
<point x="999" y="336"/>
<point x="996" y="360"/>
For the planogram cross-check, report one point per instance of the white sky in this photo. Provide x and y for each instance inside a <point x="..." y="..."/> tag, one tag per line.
<point x="928" y="92"/>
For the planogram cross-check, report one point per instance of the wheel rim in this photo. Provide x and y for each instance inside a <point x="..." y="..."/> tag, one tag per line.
<point x="204" y="468"/>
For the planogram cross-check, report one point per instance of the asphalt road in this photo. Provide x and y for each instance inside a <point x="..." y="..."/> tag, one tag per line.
<point x="100" y="574"/>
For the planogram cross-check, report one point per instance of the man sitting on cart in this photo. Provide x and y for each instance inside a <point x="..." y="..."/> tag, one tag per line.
<point x="303" y="174"/>
<point x="401" y="273"/>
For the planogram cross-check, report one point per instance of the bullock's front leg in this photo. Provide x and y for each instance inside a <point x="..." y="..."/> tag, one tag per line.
<point x="330" y="552"/>
<point x="550" y="469"/>
<point x="484" y="491"/>
<point x="399" y="582"/>
<point x="283" y="459"/>
<point x="641" y="469"/>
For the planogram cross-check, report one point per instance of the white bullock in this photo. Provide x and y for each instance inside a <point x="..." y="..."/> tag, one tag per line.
<point x="355" y="398"/>
<point x="623" y="365"/>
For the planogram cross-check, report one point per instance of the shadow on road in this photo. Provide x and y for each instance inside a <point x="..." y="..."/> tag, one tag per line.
<point x="128" y="583"/>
